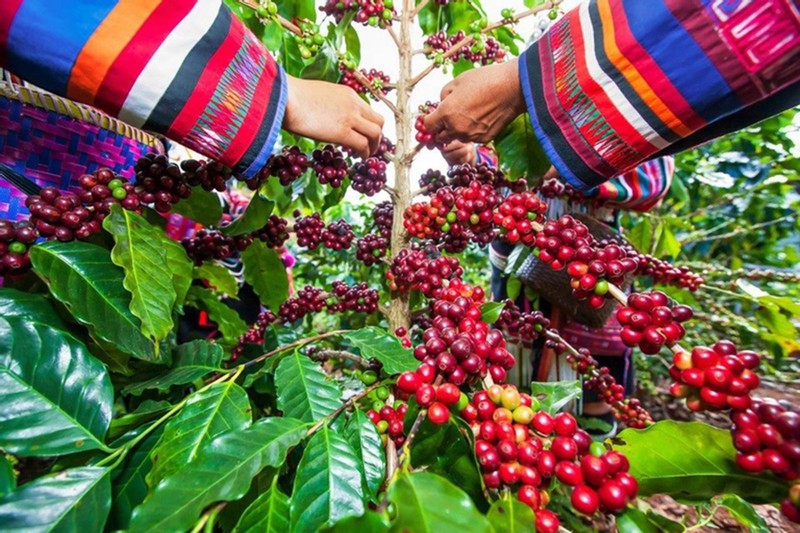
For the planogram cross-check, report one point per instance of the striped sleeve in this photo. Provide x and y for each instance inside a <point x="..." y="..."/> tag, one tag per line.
<point x="615" y="83"/>
<point x="188" y="69"/>
<point x="640" y="189"/>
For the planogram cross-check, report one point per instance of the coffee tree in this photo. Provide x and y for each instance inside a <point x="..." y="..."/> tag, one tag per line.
<point x="372" y="397"/>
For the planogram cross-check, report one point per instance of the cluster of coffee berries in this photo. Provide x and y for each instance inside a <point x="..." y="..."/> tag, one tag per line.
<point x="436" y="398"/>
<point x="459" y="345"/>
<point x="432" y="180"/>
<point x="767" y="437"/>
<point x="423" y="136"/>
<point x="308" y="300"/>
<point x="382" y="217"/>
<point x="371" y="249"/>
<point x="308" y="230"/>
<point x="464" y="174"/>
<point x="518" y="325"/>
<point x="160" y="182"/>
<point x="369" y="176"/>
<point x="329" y="165"/>
<point x="555" y="188"/>
<point x="287" y="166"/>
<point x="337" y="235"/>
<point x="422" y="270"/>
<point x="402" y="334"/>
<point x="663" y="273"/>
<point x="254" y="335"/>
<point x="211" y="176"/>
<point x="649" y="323"/>
<point x="715" y="378"/>
<point x="389" y="422"/>
<point x="368" y="12"/>
<point x="377" y="80"/>
<point x="358" y="298"/>
<point x="516" y="216"/>
<point x="790" y="506"/>
<point x="57" y="215"/>
<point x="522" y="448"/>
<point x="484" y="50"/>
<point x="15" y="239"/>
<point x="275" y="232"/>
<point x="466" y="212"/>
<point x="212" y="244"/>
<point x="309" y="40"/>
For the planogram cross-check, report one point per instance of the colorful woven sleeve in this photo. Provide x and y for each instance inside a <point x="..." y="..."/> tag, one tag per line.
<point x="615" y="83"/>
<point x="640" y="189"/>
<point x="188" y="69"/>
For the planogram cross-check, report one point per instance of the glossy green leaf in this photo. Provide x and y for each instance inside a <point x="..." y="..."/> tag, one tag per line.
<point x="510" y="515"/>
<point x="634" y="520"/>
<point x="75" y="500"/>
<point x="379" y="344"/>
<point x="269" y="513"/>
<point x="202" y="206"/>
<point x="369" y="522"/>
<point x="490" y="311"/>
<point x="228" y="321"/>
<point x="324" y="66"/>
<point x="8" y="481"/>
<point x="519" y="151"/>
<point x="266" y="273"/>
<point x="363" y="437"/>
<point x="744" y="513"/>
<point x="222" y="472"/>
<point x="691" y="461"/>
<point x="667" y="244"/>
<point x="82" y="276"/>
<point x="513" y="287"/>
<point x="209" y="413"/>
<point x="218" y="277"/>
<point x="190" y="361"/>
<point x="641" y="235"/>
<point x="180" y="265"/>
<point x="128" y="484"/>
<point x="148" y="278"/>
<point x="556" y="395"/>
<point x="327" y="487"/>
<point x="14" y="303"/>
<point x="304" y="391"/>
<point x="427" y="503"/>
<point x="254" y="217"/>
<point x="57" y="398"/>
<point x="146" y="411"/>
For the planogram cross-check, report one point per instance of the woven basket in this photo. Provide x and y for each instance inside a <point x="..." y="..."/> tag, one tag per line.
<point x="53" y="141"/>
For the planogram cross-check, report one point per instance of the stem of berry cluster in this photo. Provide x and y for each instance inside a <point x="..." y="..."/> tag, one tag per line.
<point x="399" y="311"/>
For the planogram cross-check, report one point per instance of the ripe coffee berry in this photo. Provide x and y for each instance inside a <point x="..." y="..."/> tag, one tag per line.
<point x="369" y="176"/>
<point x="329" y="165"/>
<point x="438" y="413"/>
<point x="649" y="323"/>
<point x="585" y="500"/>
<point x="337" y="235"/>
<point x="287" y="166"/>
<point x="424" y="137"/>
<point x="371" y="249"/>
<point x="309" y="230"/>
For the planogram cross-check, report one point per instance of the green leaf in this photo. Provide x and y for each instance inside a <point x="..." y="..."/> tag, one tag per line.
<point x="369" y="522"/>
<point x="641" y="235"/>
<point x="783" y="302"/>
<point x="634" y="520"/>
<point x="218" y="277"/>
<point x="264" y="270"/>
<point x="82" y="276"/>
<point x="427" y="503"/>
<point x="14" y="303"/>
<point x="363" y="437"/>
<point x="223" y="471"/>
<point x="73" y="500"/>
<point x="202" y="207"/>
<point x="191" y="361"/>
<point x="328" y="485"/>
<point x="221" y="408"/>
<point x="254" y="217"/>
<point x="513" y="287"/>
<point x="128" y="485"/>
<point x="269" y="513"/>
<point x="147" y="410"/>
<point x="304" y="391"/>
<point x="519" y="151"/>
<point x="744" y="513"/>
<point x="228" y="321"/>
<point x="490" y="311"/>
<point x="691" y="461"/>
<point x="138" y="251"/>
<point x="324" y="66"/>
<point x="181" y="267"/>
<point x="8" y="481"/>
<point x="556" y="395"/>
<point x="668" y="244"/>
<point x="379" y="344"/>
<point x="353" y="43"/>
<point x="57" y="397"/>
<point x="429" y="17"/>
<point x="510" y="515"/>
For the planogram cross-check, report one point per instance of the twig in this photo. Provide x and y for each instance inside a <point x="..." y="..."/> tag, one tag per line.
<point x="295" y="344"/>
<point x="341" y="354"/>
<point x="282" y="21"/>
<point x="469" y="39"/>
<point x="412" y="154"/>
<point x="394" y="36"/>
<point x="346" y="405"/>
<point x="375" y="92"/>
<point x="738" y="231"/>
<point x="391" y="459"/>
<point x="419" y="8"/>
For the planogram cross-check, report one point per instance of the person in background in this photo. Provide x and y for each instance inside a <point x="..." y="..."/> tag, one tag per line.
<point x="189" y="70"/>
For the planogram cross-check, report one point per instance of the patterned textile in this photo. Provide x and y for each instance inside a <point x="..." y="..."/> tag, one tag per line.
<point x="186" y="68"/>
<point x="640" y="189"/>
<point x="616" y="82"/>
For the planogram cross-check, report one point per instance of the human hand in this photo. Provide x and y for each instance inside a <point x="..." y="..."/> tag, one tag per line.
<point x="477" y="104"/>
<point x="328" y="112"/>
<point x="458" y="153"/>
